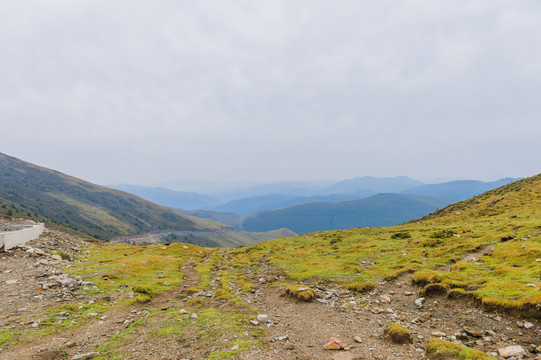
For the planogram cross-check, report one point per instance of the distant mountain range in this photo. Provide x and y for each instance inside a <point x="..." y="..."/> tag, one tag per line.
<point x="368" y="185"/>
<point x="343" y="204"/>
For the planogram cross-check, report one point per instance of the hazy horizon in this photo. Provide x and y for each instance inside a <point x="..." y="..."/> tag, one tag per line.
<point x="147" y="93"/>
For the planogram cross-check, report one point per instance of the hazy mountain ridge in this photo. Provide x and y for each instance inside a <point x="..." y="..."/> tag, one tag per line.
<point x="255" y="213"/>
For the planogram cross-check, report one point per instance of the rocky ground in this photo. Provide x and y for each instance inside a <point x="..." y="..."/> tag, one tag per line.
<point x="33" y="280"/>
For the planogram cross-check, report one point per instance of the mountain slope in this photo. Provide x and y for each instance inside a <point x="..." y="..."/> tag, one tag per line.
<point x="92" y="209"/>
<point x="377" y="210"/>
<point x="460" y="189"/>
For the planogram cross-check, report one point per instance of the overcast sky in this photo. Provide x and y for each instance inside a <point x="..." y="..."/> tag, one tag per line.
<point x="145" y="92"/>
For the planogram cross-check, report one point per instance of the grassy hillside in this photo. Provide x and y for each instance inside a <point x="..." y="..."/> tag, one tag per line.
<point x="95" y="210"/>
<point x="377" y="210"/>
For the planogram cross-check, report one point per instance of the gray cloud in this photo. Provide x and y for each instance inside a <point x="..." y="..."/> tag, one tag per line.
<point x="142" y="92"/>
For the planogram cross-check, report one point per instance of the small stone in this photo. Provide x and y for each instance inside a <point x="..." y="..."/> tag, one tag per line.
<point x="194" y="316"/>
<point x="264" y="318"/>
<point x="12" y="282"/>
<point x="419" y="302"/>
<point x="528" y="325"/>
<point x="384" y="299"/>
<point x="282" y="338"/>
<point x="35" y="325"/>
<point x="56" y="257"/>
<point x="513" y="350"/>
<point x="104" y="317"/>
<point x="439" y="334"/>
<point x="408" y="293"/>
<point x="235" y="347"/>
<point x="472" y="332"/>
<point x="183" y="311"/>
<point x="323" y="301"/>
<point x="358" y="339"/>
<point x="92" y="314"/>
<point x="334" y="344"/>
<point x="254" y="322"/>
<point x="85" y="356"/>
<point x="347" y="356"/>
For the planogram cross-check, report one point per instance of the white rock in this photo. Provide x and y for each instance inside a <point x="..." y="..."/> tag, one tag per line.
<point x="439" y="334"/>
<point x="85" y="356"/>
<point x="528" y="325"/>
<point x="264" y="318"/>
<point x="235" y="347"/>
<point x="282" y="338"/>
<point x="194" y="316"/>
<point x="420" y="301"/>
<point x="12" y="282"/>
<point x="513" y="350"/>
<point x="183" y="311"/>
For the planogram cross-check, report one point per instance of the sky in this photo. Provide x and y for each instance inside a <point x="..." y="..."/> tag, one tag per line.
<point x="146" y="92"/>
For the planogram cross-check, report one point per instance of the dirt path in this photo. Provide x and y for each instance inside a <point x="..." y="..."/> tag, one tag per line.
<point x="94" y="332"/>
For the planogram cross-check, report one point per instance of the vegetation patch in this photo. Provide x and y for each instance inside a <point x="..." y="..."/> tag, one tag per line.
<point x="401" y="235"/>
<point x="398" y="334"/>
<point x="300" y="292"/>
<point x="361" y="286"/>
<point x="437" y="349"/>
<point x="427" y="276"/>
